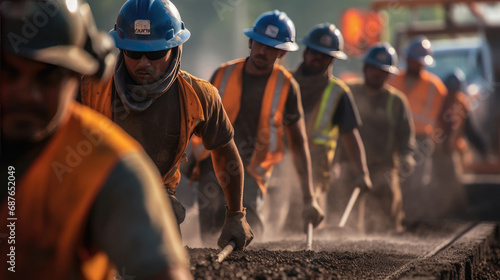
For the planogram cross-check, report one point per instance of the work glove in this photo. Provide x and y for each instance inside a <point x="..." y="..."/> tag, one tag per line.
<point x="364" y="182"/>
<point x="236" y="228"/>
<point x="179" y="210"/>
<point x="312" y="213"/>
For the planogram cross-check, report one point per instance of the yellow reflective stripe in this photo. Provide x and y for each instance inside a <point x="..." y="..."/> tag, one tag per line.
<point x="323" y="131"/>
<point x="390" y="141"/>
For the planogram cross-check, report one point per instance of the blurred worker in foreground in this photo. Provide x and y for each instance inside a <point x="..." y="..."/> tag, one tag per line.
<point x="388" y="136"/>
<point x="328" y="109"/>
<point x="161" y="106"/>
<point x="82" y="195"/>
<point x="261" y="98"/>
<point x="452" y="153"/>
<point x="425" y="93"/>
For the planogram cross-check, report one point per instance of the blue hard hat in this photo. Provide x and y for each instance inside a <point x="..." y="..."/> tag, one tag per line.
<point x="274" y="29"/>
<point x="149" y="25"/>
<point x="326" y="38"/>
<point x="419" y="49"/>
<point x="382" y="56"/>
<point x="455" y="80"/>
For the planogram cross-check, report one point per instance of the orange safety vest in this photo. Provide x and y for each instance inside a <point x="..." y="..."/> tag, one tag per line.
<point x="269" y="146"/>
<point x="98" y="96"/>
<point x="425" y="98"/>
<point x="54" y="197"/>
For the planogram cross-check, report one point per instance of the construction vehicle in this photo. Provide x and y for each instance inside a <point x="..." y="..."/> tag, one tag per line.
<point x="472" y="46"/>
<point x="471" y="43"/>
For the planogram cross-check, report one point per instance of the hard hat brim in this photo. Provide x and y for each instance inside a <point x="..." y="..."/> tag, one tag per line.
<point x="70" y="57"/>
<point x="286" y="46"/>
<point x="426" y="60"/>
<point x="149" y="45"/>
<point x="387" y="68"/>
<point x="336" y="54"/>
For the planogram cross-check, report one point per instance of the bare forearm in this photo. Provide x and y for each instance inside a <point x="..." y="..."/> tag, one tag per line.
<point x="229" y="171"/>
<point x="355" y="150"/>
<point x="301" y="157"/>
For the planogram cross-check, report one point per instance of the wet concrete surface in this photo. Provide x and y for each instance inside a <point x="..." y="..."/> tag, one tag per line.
<point x="422" y="252"/>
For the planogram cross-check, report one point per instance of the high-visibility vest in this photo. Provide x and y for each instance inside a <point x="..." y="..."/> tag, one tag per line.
<point x="269" y="145"/>
<point x="98" y="96"/>
<point x="425" y="98"/>
<point x="320" y="127"/>
<point x="54" y="197"/>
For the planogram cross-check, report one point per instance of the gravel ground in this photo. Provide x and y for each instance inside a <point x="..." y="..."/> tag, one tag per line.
<point x="340" y="257"/>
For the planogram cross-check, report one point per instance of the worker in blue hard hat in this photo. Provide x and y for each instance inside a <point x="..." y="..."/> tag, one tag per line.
<point x="452" y="152"/>
<point x="425" y="93"/>
<point x="161" y="106"/>
<point x="262" y="100"/>
<point x="329" y="111"/>
<point x="388" y="136"/>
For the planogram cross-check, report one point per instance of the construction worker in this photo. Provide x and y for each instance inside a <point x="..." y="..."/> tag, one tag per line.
<point x="161" y="106"/>
<point x="447" y="191"/>
<point x="388" y="136"/>
<point x="425" y="93"/>
<point x="261" y="98"/>
<point x="328" y="109"/>
<point x="81" y="196"/>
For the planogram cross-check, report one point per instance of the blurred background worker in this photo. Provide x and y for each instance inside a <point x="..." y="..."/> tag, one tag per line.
<point x="86" y="196"/>
<point x="161" y="106"/>
<point x="389" y="139"/>
<point x="261" y="98"/>
<point x="425" y="93"/>
<point x="452" y="152"/>
<point x="328" y="110"/>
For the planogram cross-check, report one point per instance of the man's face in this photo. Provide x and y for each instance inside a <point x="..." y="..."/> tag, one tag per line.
<point x="413" y="67"/>
<point x="263" y="56"/>
<point x="374" y="77"/>
<point x="35" y="96"/>
<point x="147" y="68"/>
<point x="316" y="62"/>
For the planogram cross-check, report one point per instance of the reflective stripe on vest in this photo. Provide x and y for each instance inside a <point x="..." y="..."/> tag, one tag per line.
<point x="324" y="133"/>
<point x="227" y="72"/>
<point x="392" y="123"/>
<point x="273" y="134"/>
<point x="270" y="138"/>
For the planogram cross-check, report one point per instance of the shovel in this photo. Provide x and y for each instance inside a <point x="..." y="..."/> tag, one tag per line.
<point x="309" y="239"/>
<point x="226" y="251"/>
<point x="350" y="205"/>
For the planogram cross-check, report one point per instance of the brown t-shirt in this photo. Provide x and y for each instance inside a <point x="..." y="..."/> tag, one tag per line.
<point x="387" y="131"/>
<point x="158" y="128"/>
<point x="247" y="121"/>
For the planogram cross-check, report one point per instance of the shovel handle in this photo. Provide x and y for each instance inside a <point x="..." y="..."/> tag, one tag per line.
<point x="226" y="251"/>
<point x="309" y="239"/>
<point x="349" y="207"/>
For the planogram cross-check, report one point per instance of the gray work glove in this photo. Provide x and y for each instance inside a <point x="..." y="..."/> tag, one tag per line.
<point x="236" y="228"/>
<point x="312" y="213"/>
<point x="179" y="210"/>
